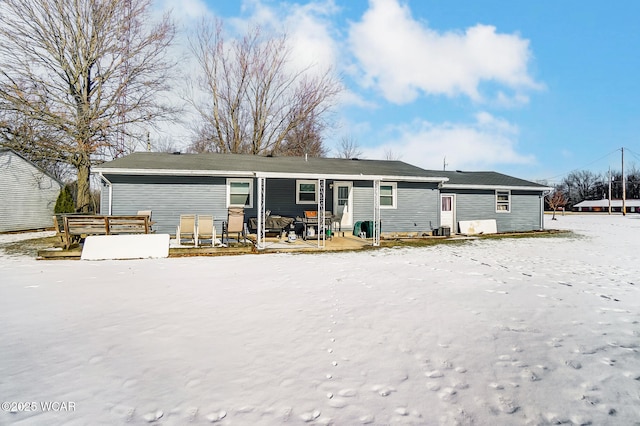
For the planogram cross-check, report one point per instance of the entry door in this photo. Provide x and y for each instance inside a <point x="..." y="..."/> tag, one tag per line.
<point x="448" y="211"/>
<point x="343" y="203"/>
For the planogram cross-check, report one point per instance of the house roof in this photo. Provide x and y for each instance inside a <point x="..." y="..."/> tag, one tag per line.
<point x="478" y="180"/>
<point x="240" y="165"/>
<point x="253" y="165"/>
<point x="31" y="163"/>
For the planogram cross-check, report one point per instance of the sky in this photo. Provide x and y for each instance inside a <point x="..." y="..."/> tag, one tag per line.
<point x="531" y="89"/>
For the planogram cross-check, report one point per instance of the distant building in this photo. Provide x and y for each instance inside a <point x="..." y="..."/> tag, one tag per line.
<point x="632" y="206"/>
<point x="27" y="194"/>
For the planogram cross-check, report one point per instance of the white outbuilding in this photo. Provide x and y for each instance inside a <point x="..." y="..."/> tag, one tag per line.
<point x="27" y="194"/>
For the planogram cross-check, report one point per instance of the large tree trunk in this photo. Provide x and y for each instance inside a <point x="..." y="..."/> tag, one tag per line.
<point x="83" y="201"/>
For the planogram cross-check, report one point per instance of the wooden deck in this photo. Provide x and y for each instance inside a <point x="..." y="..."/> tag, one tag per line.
<point x="272" y="245"/>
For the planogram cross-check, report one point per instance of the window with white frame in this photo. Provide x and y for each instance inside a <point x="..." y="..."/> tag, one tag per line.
<point x="240" y="193"/>
<point x="306" y="192"/>
<point x="388" y="195"/>
<point x="503" y="201"/>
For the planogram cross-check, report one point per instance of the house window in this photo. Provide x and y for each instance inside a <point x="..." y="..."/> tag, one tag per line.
<point x="240" y="192"/>
<point x="503" y="201"/>
<point x="388" y="195"/>
<point x="306" y="192"/>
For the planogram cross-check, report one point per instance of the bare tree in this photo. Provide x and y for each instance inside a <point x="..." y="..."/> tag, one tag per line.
<point x="84" y="73"/>
<point x="33" y="143"/>
<point x="555" y="200"/>
<point x="164" y="144"/>
<point x="390" y="155"/>
<point x="252" y="103"/>
<point x="348" y="148"/>
<point x="583" y="185"/>
<point x="305" y="139"/>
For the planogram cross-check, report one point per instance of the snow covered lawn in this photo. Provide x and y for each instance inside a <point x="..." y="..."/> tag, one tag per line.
<point x="509" y="331"/>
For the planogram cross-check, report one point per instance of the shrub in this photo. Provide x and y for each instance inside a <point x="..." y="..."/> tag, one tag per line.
<point x="65" y="203"/>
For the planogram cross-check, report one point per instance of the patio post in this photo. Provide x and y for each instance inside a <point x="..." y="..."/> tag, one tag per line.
<point x="262" y="215"/>
<point x="321" y="217"/>
<point x="376" y="213"/>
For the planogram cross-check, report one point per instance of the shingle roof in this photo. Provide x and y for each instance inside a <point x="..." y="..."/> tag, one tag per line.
<point x="159" y="163"/>
<point x="253" y="163"/>
<point x="459" y="178"/>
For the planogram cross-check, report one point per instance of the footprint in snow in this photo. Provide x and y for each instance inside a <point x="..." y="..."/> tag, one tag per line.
<point x="507" y="406"/>
<point x="308" y="417"/>
<point x="433" y="386"/>
<point x="348" y="393"/>
<point x="367" y="419"/>
<point x="434" y="374"/>
<point x="448" y="394"/>
<point x="216" y="417"/>
<point x="154" y="416"/>
<point x="383" y="390"/>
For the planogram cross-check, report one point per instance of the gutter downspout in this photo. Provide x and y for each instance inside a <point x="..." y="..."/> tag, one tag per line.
<point x="110" y="185"/>
<point x="544" y="195"/>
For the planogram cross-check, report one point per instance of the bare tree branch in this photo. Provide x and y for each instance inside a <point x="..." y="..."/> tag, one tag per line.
<point x="84" y="73"/>
<point x="348" y="148"/>
<point x="252" y="103"/>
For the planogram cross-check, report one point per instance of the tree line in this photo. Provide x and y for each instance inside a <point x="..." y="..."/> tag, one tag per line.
<point x="584" y="185"/>
<point x="84" y="82"/>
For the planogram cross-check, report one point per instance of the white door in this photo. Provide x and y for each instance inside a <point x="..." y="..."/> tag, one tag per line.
<point x="343" y="203"/>
<point x="448" y="211"/>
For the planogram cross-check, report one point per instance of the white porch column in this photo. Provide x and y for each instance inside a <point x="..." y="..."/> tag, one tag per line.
<point x="261" y="214"/>
<point x="321" y="217"/>
<point x="376" y="213"/>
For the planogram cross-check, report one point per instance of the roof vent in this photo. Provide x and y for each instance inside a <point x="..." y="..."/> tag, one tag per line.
<point x="176" y="153"/>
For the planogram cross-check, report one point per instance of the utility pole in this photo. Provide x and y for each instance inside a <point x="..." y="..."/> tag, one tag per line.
<point x="624" y="187"/>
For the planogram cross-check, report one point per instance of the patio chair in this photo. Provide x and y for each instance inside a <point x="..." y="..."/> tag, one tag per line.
<point x="235" y="224"/>
<point x="148" y="214"/>
<point x="187" y="229"/>
<point x="206" y="230"/>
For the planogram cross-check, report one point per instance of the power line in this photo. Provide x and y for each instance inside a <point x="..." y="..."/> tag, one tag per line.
<point x="583" y="167"/>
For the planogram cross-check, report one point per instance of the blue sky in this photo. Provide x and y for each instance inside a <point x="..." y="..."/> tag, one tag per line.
<point x="532" y="89"/>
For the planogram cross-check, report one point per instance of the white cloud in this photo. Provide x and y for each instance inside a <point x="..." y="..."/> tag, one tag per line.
<point x="483" y="144"/>
<point x="184" y="11"/>
<point x="403" y="57"/>
<point x="308" y="27"/>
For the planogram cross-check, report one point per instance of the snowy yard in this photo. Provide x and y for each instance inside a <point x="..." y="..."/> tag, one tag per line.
<point x="510" y="331"/>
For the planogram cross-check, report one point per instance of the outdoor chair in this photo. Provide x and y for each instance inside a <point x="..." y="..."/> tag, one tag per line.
<point x="206" y="230"/>
<point x="187" y="229"/>
<point x="148" y="214"/>
<point x="235" y="224"/>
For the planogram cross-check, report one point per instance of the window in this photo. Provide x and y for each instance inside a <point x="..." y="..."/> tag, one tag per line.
<point x="503" y="201"/>
<point x="388" y="196"/>
<point x="306" y="192"/>
<point x="240" y="192"/>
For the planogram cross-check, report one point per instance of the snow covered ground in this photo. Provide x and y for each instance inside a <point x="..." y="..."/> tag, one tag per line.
<point x="506" y="332"/>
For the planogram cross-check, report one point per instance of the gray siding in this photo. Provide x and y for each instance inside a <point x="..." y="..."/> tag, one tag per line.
<point x="481" y="204"/>
<point x="417" y="207"/>
<point x="27" y="194"/>
<point x="170" y="196"/>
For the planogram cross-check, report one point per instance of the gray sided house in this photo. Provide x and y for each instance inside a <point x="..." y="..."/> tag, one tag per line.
<point x="27" y="195"/>
<point x="402" y="197"/>
<point x="515" y="204"/>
